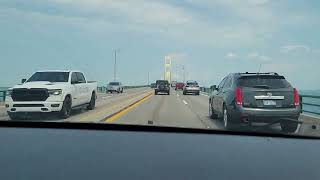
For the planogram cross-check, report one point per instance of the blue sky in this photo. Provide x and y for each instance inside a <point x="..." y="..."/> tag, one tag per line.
<point x="211" y="38"/>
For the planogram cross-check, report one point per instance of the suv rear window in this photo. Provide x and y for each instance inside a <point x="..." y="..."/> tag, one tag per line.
<point x="162" y="82"/>
<point x="263" y="82"/>
<point x="114" y="83"/>
<point x="192" y="84"/>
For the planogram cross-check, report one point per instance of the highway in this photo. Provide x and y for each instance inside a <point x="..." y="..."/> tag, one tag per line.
<point x="141" y="107"/>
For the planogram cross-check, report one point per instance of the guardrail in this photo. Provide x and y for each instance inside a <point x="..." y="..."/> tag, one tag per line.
<point x="2" y="96"/>
<point x="103" y="88"/>
<point x="100" y="89"/>
<point x="313" y="102"/>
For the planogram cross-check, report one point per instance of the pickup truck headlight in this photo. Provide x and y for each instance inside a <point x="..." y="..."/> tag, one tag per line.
<point x="55" y="92"/>
<point x="8" y="92"/>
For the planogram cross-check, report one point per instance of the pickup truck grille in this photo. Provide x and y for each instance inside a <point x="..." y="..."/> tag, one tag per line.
<point x="34" y="94"/>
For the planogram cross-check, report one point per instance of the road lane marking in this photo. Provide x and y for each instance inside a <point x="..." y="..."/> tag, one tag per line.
<point x="204" y="95"/>
<point x="102" y="111"/>
<point x="105" y="97"/>
<point x="178" y="95"/>
<point x="185" y="102"/>
<point x="128" y="108"/>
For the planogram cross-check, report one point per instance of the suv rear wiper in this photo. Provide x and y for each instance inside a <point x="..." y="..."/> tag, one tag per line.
<point x="261" y="86"/>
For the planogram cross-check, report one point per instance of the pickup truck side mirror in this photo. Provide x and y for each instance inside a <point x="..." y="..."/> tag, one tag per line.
<point x="74" y="82"/>
<point x="23" y="80"/>
<point x="214" y="87"/>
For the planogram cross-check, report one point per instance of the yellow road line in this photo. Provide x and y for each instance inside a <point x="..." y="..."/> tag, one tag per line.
<point x="100" y="112"/>
<point x="125" y="110"/>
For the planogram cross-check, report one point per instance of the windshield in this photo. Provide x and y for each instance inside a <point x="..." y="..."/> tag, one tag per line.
<point x="268" y="82"/>
<point x="114" y="84"/>
<point x="50" y="76"/>
<point x="229" y="65"/>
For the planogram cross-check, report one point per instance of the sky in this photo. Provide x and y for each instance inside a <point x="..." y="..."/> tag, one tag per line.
<point x="210" y="38"/>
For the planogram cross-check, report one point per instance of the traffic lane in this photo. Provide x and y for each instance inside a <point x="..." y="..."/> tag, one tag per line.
<point x="199" y="104"/>
<point x="101" y="112"/>
<point x="162" y="110"/>
<point x="103" y="100"/>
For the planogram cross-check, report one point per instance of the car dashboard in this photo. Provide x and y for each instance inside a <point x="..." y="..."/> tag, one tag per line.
<point x="54" y="151"/>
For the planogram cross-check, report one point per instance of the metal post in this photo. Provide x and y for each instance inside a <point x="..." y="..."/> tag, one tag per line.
<point x="115" y="65"/>
<point x="148" y="78"/>
<point x="184" y="74"/>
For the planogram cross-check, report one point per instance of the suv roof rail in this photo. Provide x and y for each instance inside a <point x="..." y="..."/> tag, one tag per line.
<point x="271" y="73"/>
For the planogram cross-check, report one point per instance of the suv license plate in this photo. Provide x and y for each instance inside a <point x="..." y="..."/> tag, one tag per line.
<point x="269" y="103"/>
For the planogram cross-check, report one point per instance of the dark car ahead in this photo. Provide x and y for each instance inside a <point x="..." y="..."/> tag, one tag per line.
<point x="252" y="98"/>
<point x="162" y="86"/>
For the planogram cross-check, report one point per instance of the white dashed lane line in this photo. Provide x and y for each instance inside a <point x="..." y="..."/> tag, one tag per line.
<point x="204" y="95"/>
<point x="185" y="102"/>
<point x="105" y="97"/>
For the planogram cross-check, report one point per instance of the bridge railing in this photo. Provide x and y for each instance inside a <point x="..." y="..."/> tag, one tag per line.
<point x="102" y="89"/>
<point x="309" y="103"/>
<point x="2" y="96"/>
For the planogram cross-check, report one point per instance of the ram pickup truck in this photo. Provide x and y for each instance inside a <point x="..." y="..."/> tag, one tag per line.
<point x="51" y="91"/>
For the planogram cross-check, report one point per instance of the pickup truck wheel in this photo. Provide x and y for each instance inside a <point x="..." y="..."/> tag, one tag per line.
<point x="289" y="127"/>
<point x="66" y="108"/>
<point x="92" y="103"/>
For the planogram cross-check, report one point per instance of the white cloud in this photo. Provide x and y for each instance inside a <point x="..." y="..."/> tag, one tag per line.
<point x="260" y="58"/>
<point x="231" y="55"/>
<point x="165" y="19"/>
<point x="295" y="48"/>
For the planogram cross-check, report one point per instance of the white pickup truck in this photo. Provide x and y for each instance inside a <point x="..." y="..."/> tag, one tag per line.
<point x="51" y="91"/>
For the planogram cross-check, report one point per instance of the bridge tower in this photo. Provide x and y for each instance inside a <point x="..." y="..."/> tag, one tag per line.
<point x="167" y="68"/>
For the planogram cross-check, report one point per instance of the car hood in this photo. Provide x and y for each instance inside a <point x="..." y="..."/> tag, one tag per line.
<point x="41" y="84"/>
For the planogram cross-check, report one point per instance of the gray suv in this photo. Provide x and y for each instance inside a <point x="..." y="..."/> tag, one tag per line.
<point x="114" y="87"/>
<point x="247" y="98"/>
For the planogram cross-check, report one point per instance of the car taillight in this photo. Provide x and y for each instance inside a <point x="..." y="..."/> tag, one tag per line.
<point x="239" y="99"/>
<point x="296" y="97"/>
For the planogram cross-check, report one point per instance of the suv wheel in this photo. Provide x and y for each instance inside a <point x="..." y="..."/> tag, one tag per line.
<point x="212" y="115"/>
<point x="66" y="108"/>
<point x="288" y="126"/>
<point x="156" y="93"/>
<point x="226" y="119"/>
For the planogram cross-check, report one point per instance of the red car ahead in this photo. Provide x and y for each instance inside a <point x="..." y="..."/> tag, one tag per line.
<point x="179" y="86"/>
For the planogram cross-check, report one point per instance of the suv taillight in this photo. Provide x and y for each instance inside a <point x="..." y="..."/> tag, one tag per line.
<point x="239" y="99"/>
<point x="296" y="97"/>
